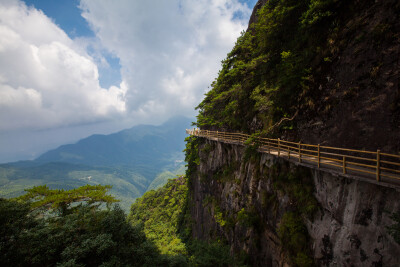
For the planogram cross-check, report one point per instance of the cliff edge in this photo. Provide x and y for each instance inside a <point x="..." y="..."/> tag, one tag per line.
<point x="319" y="72"/>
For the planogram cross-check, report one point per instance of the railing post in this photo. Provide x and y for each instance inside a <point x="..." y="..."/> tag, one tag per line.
<point x="319" y="156"/>
<point x="288" y="151"/>
<point x="344" y="165"/>
<point x="217" y="135"/>
<point x="300" y="151"/>
<point x="279" y="152"/>
<point x="378" y="165"/>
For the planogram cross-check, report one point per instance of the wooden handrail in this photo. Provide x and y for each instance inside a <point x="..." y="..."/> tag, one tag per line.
<point x="383" y="164"/>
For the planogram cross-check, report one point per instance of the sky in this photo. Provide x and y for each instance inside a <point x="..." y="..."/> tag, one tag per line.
<point x="72" y="68"/>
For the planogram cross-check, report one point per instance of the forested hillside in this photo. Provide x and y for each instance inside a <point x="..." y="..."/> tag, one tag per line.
<point x="133" y="161"/>
<point x="165" y="216"/>
<point x="316" y="71"/>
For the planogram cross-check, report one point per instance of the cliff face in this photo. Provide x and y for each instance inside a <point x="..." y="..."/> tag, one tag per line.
<point x="281" y="214"/>
<point x="329" y="68"/>
<point x="320" y="71"/>
<point x="356" y="86"/>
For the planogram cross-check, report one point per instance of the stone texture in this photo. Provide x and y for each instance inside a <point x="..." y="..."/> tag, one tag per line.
<point x="348" y="230"/>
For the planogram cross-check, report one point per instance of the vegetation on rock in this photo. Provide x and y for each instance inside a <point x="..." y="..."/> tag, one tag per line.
<point x="265" y="75"/>
<point x="165" y="219"/>
<point x="159" y="212"/>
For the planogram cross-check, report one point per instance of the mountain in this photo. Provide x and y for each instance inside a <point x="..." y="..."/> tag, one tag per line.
<point x="142" y="144"/>
<point x="129" y="160"/>
<point x="317" y="72"/>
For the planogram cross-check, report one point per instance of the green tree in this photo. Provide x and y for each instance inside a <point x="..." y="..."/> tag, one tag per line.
<point x="159" y="211"/>
<point x="41" y="198"/>
<point x="75" y="234"/>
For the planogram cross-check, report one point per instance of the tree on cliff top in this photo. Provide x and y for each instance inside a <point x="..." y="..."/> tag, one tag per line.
<point x="41" y="198"/>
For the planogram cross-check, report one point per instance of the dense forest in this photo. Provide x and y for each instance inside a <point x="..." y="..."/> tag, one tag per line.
<point x="67" y="228"/>
<point x="83" y="227"/>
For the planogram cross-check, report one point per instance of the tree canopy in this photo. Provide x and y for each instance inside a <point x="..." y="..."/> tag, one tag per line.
<point x="42" y="198"/>
<point x="76" y="232"/>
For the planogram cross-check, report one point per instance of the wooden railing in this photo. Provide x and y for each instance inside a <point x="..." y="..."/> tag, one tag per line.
<point x="347" y="161"/>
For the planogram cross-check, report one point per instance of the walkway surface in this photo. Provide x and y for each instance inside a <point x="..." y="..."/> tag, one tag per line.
<point x="374" y="167"/>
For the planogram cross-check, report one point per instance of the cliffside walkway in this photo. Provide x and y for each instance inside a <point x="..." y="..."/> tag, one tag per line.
<point x="371" y="166"/>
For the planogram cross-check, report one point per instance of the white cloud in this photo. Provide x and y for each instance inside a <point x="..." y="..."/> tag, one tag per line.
<point x="170" y="51"/>
<point x="46" y="79"/>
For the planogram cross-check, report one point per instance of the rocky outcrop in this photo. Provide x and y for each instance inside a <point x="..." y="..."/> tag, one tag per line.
<point x="282" y="214"/>
<point x="356" y="87"/>
<point x="256" y="8"/>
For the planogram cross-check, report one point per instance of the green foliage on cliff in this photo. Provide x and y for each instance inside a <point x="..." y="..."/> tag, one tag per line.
<point x="192" y="154"/>
<point x="159" y="212"/>
<point x="295" y="239"/>
<point x="297" y="184"/>
<point x="267" y="72"/>
<point x="83" y="236"/>
<point x="292" y="231"/>
<point x="248" y="218"/>
<point x="165" y="219"/>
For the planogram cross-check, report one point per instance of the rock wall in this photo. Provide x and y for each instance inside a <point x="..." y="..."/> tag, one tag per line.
<point x="243" y="197"/>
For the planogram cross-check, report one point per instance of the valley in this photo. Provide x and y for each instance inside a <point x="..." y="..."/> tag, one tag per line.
<point x="132" y="161"/>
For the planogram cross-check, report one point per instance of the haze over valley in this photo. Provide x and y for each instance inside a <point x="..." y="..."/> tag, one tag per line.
<point x="132" y="161"/>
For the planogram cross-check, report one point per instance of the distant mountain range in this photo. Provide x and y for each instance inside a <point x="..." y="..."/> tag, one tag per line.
<point x="130" y="160"/>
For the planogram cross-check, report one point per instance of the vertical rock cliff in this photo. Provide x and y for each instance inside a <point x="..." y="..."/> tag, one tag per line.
<point x="281" y="214"/>
<point x="315" y="71"/>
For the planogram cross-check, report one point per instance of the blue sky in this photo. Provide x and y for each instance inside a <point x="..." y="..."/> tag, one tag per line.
<point x="73" y="68"/>
<point x="67" y="15"/>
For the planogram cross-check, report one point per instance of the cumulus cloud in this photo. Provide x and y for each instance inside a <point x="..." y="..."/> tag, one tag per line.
<point x="46" y="79"/>
<point x="169" y="51"/>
